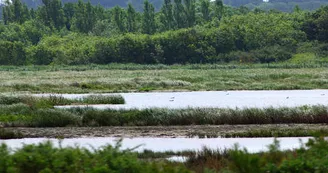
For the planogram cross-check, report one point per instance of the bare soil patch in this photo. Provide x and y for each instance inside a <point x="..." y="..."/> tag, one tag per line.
<point x="153" y="131"/>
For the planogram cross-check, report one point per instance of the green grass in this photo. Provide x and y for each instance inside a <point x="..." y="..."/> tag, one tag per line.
<point x="26" y="116"/>
<point x="205" y="116"/>
<point x="21" y="115"/>
<point x="131" y="77"/>
<point x="53" y="100"/>
<point x="54" y="118"/>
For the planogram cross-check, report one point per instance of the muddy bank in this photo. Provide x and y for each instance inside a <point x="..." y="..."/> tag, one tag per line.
<point x="155" y="131"/>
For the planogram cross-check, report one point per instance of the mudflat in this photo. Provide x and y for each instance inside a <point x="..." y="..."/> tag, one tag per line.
<point x="157" y="131"/>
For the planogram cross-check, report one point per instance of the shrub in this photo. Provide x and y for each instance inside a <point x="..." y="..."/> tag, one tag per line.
<point x="45" y="157"/>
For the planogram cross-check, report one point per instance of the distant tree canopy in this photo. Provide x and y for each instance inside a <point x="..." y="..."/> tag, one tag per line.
<point x="181" y="31"/>
<point x="282" y="5"/>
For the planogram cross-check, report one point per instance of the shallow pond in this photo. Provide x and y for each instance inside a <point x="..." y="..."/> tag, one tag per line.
<point x="222" y="99"/>
<point x="167" y="144"/>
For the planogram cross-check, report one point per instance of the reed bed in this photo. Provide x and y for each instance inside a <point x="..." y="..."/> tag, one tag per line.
<point x="101" y="99"/>
<point x="53" y="100"/>
<point x="27" y="116"/>
<point x="206" y="116"/>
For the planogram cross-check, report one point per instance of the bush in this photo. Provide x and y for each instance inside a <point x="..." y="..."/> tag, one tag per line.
<point x="45" y="157"/>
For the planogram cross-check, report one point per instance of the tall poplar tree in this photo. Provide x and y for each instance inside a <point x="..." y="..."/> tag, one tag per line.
<point x="148" y="20"/>
<point x="15" y="11"/>
<point x="69" y="11"/>
<point x="52" y="13"/>
<point x="84" y="17"/>
<point x="218" y="9"/>
<point x="7" y="13"/>
<point x="119" y="18"/>
<point x="131" y="18"/>
<point x="190" y="12"/>
<point x="178" y="14"/>
<point x="205" y="9"/>
<point x="89" y="16"/>
<point x="17" y="8"/>
<point x="167" y="15"/>
<point x="79" y="23"/>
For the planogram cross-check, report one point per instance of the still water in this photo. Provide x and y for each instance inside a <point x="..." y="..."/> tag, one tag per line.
<point x="216" y="99"/>
<point x="166" y="144"/>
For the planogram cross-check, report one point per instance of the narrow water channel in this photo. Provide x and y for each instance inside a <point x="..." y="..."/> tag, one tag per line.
<point x="166" y="144"/>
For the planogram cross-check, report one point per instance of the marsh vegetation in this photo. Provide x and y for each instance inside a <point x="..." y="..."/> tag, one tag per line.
<point x="242" y="48"/>
<point x="102" y="79"/>
<point x="23" y="115"/>
<point x="55" y="100"/>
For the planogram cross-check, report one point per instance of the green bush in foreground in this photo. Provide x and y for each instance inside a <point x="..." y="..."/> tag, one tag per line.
<point x="311" y="157"/>
<point x="46" y="158"/>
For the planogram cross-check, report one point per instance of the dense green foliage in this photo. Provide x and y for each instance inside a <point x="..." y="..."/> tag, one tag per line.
<point x="44" y="157"/>
<point x="309" y="158"/>
<point x="182" y="31"/>
<point x="284" y="5"/>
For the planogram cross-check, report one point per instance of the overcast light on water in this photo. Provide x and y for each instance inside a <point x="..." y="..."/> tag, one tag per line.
<point x="167" y="144"/>
<point x="215" y="99"/>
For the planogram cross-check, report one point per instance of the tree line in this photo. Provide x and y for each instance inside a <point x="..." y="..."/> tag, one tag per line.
<point x="182" y="31"/>
<point x="83" y="17"/>
<point x="281" y="5"/>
